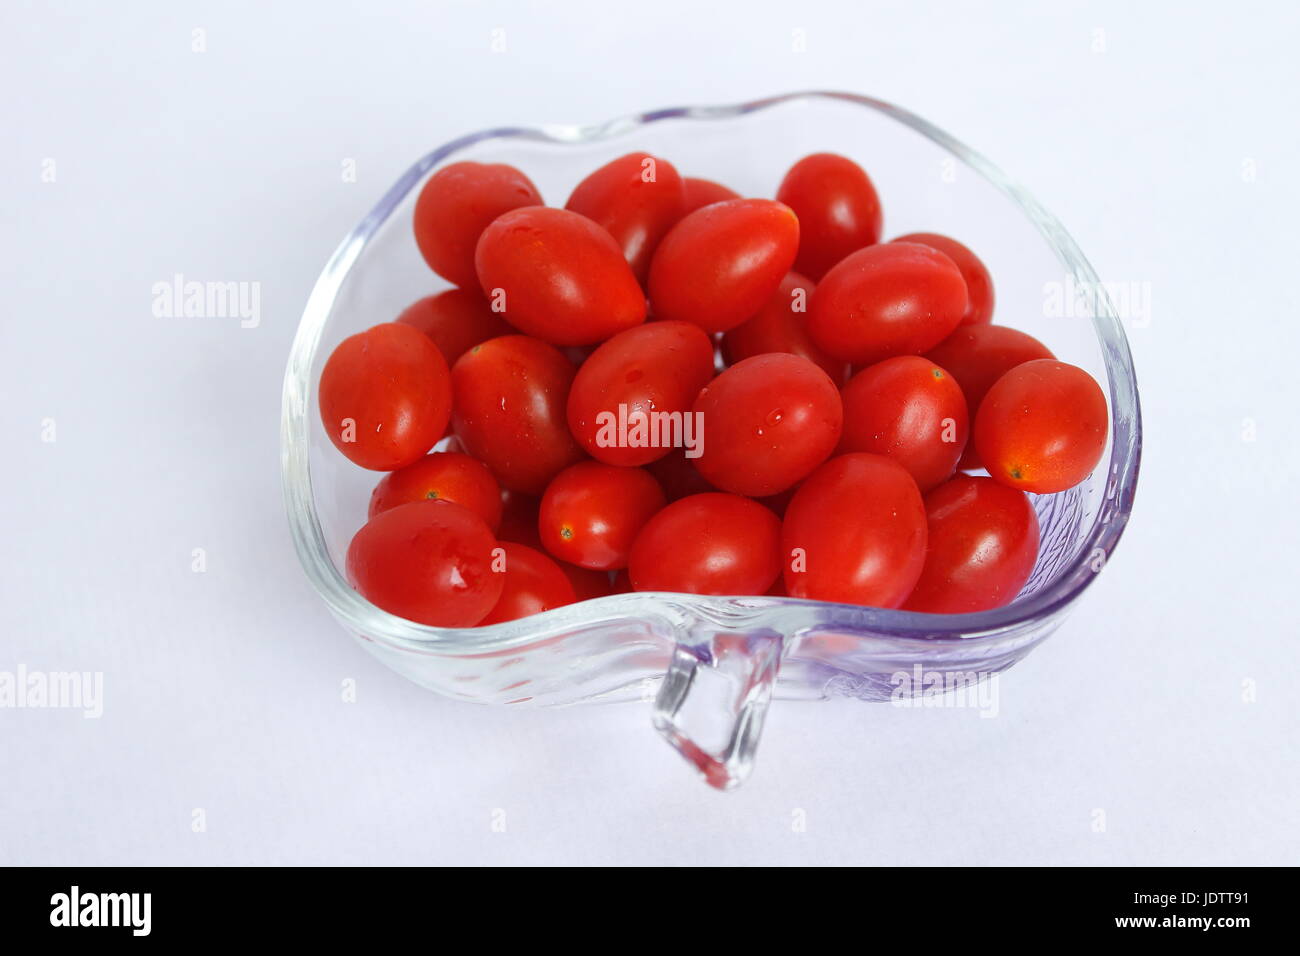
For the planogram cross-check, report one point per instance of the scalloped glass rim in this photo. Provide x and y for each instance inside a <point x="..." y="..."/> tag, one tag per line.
<point x="359" y="615"/>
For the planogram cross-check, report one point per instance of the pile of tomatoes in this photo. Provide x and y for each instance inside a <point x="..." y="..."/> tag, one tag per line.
<point x="664" y="386"/>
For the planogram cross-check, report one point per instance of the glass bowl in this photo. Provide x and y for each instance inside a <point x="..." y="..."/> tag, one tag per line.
<point x="712" y="664"/>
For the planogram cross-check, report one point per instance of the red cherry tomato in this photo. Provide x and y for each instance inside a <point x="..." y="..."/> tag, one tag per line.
<point x="510" y="395"/>
<point x="720" y="264"/>
<point x="442" y="476"/>
<point x="533" y="583"/>
<point x="780" y="326"/>
<point x="982" y="544"/>
<point x="519" y="519"/>
<point x="678" y="476"/>
<point x="704" y="192"/>
<point x="708" y="544"/>
<point x="454" y="208"/>
<point x="636" y="198"/>
<point x="558" y="276"/>
<point x="385" y="396"/>
<point x="587" y="584"/>
<point x="591" y="513"/>
<point x="645" y="375"/>
<point x="768" y="421"/>
<point x="455" y="320"/>
<point x="427" y="561"/>
<point x="855" y="533"/>
<point x="1042" y="427"/>
<point x="911" y="410"/>
<point x="977" y="356"/>
<point x="979" y="284"/>
<point x="900" y="298"/>
<point x="838" y="210"/>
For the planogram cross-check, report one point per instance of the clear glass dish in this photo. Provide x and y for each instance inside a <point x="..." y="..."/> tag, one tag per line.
<point x="712" y="664"/>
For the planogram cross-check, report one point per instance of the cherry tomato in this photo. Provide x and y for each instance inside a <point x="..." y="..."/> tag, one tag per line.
<point x="721" y="263"/>
<point x="708" y="544"/>
<point x="768" y="421"/>
<point x="678" y="476"/>
<point x="587" y="584"/>
<point x="1042" y="427"/>
<point x="704" y="192"/>
<point x="385" y="396"/>
<point x="591" y="513"/>
<point x="443" y="476"/>
<point x="533" y="583"/>
<point x="636" y="198"/>
<point x="780" y="326"/>
<point x="634" y="390"/>
<point x="838" y="210"/>
<point x="510" y="394"/>
<point x="900" y="298"/>
<point x="558" y="276"/>
<point x="427" y="561"/>
<point x="982" y="544"/>
<point x="911" y="410"/>
<point x="455" y="320"/>
<point x="519" y="519"/>
<point x="454" y="208"/>
<point x="979" y="284"/>
<point x="977" y="356"/>
<point x="855" y="533"/>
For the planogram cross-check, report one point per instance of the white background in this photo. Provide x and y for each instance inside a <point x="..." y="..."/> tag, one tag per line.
<point x="1166" y="142"/>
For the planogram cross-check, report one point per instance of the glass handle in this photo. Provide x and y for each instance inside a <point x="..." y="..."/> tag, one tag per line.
<point x="713" y="700"/>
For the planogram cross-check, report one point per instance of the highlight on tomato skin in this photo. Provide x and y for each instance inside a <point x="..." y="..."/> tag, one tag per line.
<point x="977" y="356"/>
<point x="720" y="264"/>
<point x="427" y="561"/>
<point x="838" y="209"/>
<point x="979" y="282"/>
<point x="385" y="396"/>
<point x="557" y="276"/>
<point x="457" y="203"/>
<point x="509" y="399"/>
<point x="644" y="373"/>
<point x="898" y="298"/>
<point x="591" y="513"/>
<point x="1042" y="427"/>
<point x="981" y="547"/>
<point x="636" y="198"/>
<point x="442" y="476"/>
<point x="711" y="543"/>
<point x="855" y="533"/>
<point x="767" y="422"/>
<point x="909" y="409"/>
